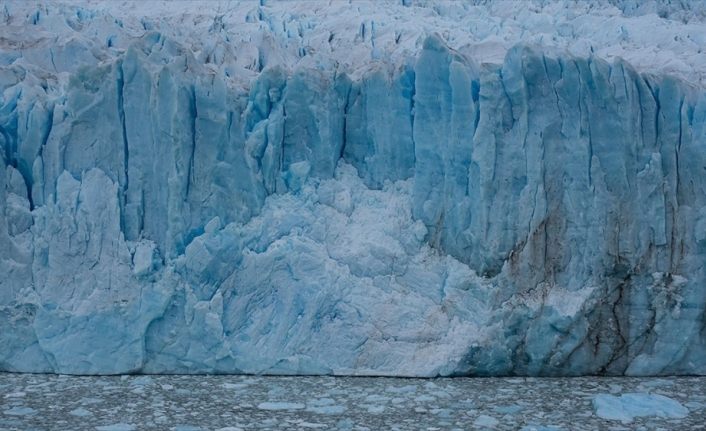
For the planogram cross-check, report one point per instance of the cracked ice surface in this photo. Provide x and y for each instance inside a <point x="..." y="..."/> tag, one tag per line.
<point x="356" y="188"/>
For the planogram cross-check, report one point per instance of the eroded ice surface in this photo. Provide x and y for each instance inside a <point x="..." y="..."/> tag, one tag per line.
<point x="229" y="403"/>
<point x="395" y="188"/>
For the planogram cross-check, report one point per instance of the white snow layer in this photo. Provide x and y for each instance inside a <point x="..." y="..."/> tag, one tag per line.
<point x="240" y="38"/>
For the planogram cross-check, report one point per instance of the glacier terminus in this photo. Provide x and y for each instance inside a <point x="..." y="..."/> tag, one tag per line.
<point x="404" y="188"/>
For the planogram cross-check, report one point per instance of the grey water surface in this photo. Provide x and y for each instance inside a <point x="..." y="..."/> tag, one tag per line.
<point x="229" y="403"/>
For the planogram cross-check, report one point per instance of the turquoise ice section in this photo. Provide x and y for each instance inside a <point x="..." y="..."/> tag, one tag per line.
<point x="545" y="216"/>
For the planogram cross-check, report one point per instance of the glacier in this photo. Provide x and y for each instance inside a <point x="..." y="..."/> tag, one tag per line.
<point x="429" y="189"/>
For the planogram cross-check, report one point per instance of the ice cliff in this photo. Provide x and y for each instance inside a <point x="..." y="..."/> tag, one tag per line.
<point x="407" y="188"/>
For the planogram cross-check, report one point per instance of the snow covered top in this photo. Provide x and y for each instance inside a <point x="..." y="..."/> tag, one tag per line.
<point x="239" y="39"/>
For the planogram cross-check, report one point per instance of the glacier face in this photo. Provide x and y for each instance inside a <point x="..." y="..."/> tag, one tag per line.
<point x="170" y="209"/>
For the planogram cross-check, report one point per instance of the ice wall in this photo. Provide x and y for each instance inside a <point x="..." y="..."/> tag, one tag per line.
<point x="437" y="216"/>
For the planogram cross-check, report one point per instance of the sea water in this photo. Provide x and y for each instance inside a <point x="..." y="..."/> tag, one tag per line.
<point x="227" y="402"/>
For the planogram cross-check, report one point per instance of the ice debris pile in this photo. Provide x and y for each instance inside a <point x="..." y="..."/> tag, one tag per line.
<point x="393" y="188"/>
